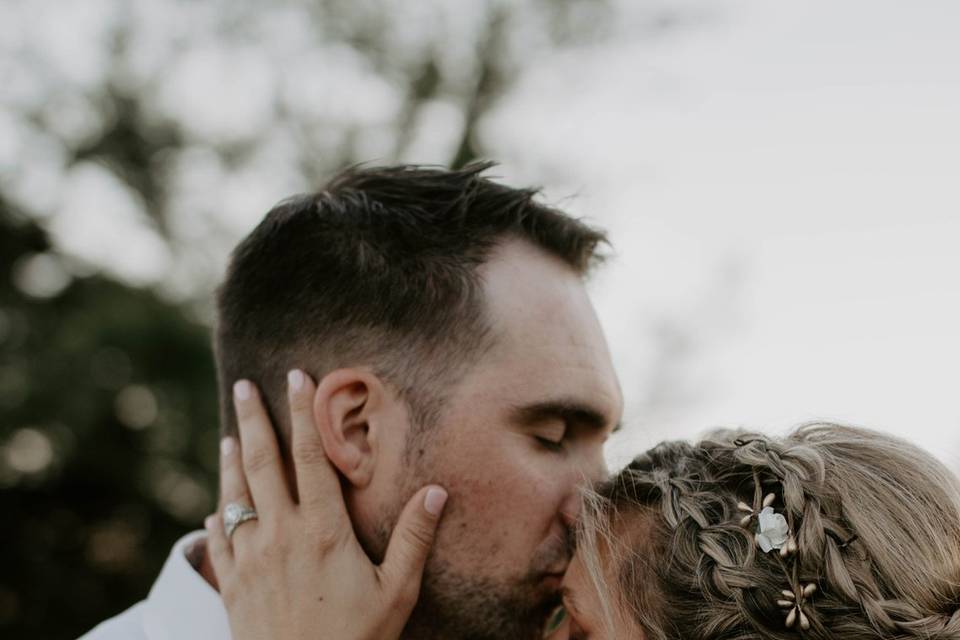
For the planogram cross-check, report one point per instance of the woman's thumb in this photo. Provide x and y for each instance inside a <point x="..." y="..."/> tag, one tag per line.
<point x="412" y="540"/>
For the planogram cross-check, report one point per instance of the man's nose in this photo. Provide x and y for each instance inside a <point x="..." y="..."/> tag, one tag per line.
<point x="588" y="475"/>
<point x="570" y="513"/>
<point x="600" y="471"/>
<point x="571" y="509"/>
<point x="593" y="469"/>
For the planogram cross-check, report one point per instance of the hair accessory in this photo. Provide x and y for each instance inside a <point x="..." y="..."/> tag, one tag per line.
<point x="841" y="543"/>
<point x="775" y="531"/>
<point x="751" y="512"/>
<point x="852" y="538"/>
<point x="794" y="602"/>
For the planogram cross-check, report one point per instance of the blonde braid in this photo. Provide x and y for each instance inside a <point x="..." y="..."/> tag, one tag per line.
<point x="712" y="581"/>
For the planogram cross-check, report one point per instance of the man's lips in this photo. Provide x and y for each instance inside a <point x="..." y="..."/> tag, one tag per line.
<point x="550" y="586"/>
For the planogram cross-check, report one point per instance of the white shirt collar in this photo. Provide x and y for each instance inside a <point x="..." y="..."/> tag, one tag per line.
<point x="182" y="605"/>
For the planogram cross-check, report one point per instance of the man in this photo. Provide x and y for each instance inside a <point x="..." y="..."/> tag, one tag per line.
<point x="445" y="319"/>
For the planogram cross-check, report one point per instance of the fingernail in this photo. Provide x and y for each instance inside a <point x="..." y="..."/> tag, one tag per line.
<point x="227" y="446"/>
<point x="241" y="390"/>
<point x="295" y="379"/>
<point x="208" y="523"/>
<point x="434" y="501"/>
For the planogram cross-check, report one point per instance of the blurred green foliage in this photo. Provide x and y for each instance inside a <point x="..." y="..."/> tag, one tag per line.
<point x="109" y="428"/>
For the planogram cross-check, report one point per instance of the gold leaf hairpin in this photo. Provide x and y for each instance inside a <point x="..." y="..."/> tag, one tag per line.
<point x="751" y="512"/>
<point x="793" y="603"/>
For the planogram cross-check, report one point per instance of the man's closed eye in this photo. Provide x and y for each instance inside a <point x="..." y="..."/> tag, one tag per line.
<point x="555" y="446"/>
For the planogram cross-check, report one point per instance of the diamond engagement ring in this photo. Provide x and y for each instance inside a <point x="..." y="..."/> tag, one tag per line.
<point x="235" y="514"/>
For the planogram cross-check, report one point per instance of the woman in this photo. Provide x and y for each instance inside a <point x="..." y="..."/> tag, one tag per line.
<point x="830" y="532"/>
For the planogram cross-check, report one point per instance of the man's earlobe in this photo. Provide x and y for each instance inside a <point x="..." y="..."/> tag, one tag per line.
<point x="342" y="408"/>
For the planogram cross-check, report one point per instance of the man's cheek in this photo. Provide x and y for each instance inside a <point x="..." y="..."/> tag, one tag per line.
<point x="472" y="502"/>
<point x="486" y="513"/>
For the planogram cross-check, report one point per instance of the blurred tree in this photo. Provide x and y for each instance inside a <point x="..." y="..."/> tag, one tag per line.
<point x="138" y="143"/>
<point x="194" y="118"/>
<point x="109" y="435"/>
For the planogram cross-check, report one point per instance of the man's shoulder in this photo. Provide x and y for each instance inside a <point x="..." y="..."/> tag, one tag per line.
<point x="181" y="604"/>
<point x="127" y="625"/>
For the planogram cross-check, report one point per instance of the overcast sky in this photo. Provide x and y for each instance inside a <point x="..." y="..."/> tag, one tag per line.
<point x="779" y="180"/>
<point x="782" y="179"/>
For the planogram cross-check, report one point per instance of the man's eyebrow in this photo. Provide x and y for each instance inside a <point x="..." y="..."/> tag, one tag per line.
<point x="571" y="411"/>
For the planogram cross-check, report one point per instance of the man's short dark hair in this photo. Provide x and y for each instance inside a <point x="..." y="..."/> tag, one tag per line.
<point x="377" y="269"/>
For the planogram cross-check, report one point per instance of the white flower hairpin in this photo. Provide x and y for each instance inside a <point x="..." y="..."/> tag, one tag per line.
<point x="776" y="531"/>
<point x="773" y="531"/>
<point x="751" y="512"/>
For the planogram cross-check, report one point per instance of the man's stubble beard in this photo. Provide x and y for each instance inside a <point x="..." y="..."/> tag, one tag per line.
<point x="470" y="607"/>
<point x="455" y="604"/>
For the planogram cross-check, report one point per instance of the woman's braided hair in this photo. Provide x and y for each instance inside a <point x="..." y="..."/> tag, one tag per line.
<point x="874" y="523"/>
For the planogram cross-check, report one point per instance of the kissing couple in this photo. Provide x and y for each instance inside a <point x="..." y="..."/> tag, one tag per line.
<point x="415" y="394"/>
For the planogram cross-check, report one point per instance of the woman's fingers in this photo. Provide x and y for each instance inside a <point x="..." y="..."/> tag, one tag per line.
<point x="321" y="497"/>
<point x="411" y="542"/>
<point x="233" y="484"/>
<point x="218" y="548"/>
<point x="261" y="456"/>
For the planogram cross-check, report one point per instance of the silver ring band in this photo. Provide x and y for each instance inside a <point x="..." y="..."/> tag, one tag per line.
<point x="235" y="514"/>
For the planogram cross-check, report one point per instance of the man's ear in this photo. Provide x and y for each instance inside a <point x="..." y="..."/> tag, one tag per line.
<point x="343" y="407"/>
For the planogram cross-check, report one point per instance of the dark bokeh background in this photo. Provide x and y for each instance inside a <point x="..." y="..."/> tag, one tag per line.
<point x="109" y="420"/>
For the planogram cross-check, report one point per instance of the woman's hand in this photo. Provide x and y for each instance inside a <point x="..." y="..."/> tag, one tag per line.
<point x="298" y="570"/>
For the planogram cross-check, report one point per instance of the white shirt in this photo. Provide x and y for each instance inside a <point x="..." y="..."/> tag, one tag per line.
<point x="181" y="605"/>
